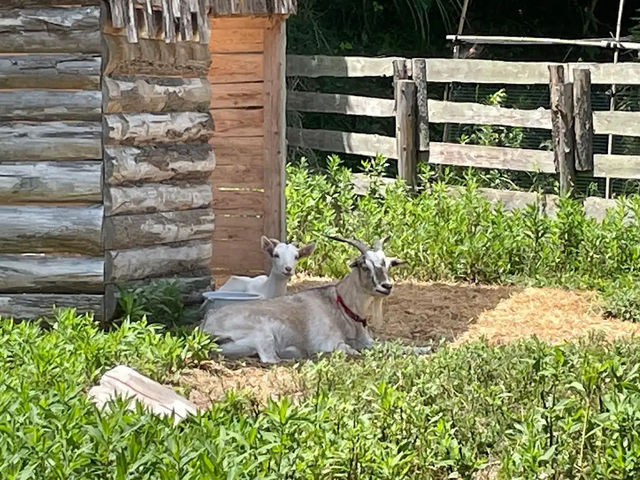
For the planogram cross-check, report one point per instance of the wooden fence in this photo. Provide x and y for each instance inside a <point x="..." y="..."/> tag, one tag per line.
<point x="413" y="112"/>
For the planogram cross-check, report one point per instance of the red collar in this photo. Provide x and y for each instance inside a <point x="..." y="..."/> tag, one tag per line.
<point x="350" y="313"/>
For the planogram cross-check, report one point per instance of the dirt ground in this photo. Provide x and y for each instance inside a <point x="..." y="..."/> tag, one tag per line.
<point x="420" y="313"/>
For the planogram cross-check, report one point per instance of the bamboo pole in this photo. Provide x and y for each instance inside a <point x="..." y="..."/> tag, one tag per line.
<point x="612" y="101"/>
<point x="616" y="43"/>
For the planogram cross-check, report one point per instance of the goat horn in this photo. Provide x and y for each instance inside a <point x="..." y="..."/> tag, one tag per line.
<point x="354" y="243"/>
<point x="380" y="242"/>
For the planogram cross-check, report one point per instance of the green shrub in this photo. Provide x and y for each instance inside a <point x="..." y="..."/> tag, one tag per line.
<point x="461" y="236"/>
<point x="160" y="301"/>
<point x="533" y="410"/>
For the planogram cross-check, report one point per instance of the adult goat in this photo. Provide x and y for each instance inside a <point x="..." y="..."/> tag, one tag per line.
<point x="323" y="319"/>
<point x="284" y="257"/>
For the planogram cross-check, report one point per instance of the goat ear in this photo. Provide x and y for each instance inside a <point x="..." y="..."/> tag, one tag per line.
<point x="356" y="262"/>
<point x="267" y="245"/>
<point x="306" y="250"/>
<point x="396" y="262"/>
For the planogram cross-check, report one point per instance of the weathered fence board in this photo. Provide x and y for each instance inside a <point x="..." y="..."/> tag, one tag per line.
<point x="147" y="128"/>
<point x="447" y="70"/>
<point x="50" y="274"/>
<point x="616" y="166"/>
<point x="345" y="142"/>
<point x="491" y="157"/>
<point x="156" y="94"/>
<point x="27" y="229"/>
<point x="158" y="261"/>
<point x="54" y="182"/>
<point x="157" y="163"/>
<point x="47" y="105"/>
<point x="326" y="66"/>
<point x="154" y="198"/>
<point x="125" y="383"/>
<point x="562" y="122"/>
<point x="339" y="103"/>
<point x="478" y="114"/>
<point x="28" y="306"/>
<point x="63" y="71"/>
<point x="128" y="231"/>
<point x="583" y="124"/>
<point x="407" y="130"/>
<point x="617" y="123"/>
<point x="51" y="30"/>
<point x="50" y="140"/>
<point x="232" y="122"/>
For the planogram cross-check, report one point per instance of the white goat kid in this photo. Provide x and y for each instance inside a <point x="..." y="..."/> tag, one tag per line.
<point x="322" y="319"/>
<point x="284" y="257"/>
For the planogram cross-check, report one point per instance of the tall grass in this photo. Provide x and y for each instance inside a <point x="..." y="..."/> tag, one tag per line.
<point x="529" y="409"/>
<point x="462" y="236"/>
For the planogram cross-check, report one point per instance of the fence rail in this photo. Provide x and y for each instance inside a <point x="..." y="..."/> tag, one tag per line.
<point x="413" y="113"/>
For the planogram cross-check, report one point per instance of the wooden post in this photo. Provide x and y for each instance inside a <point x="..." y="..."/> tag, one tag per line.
<point x="562" y="127"/>
<point x="420" y="79"/>
<point x="583" y="119"/>
<point x="275" y="146"/>
<point x="406" y="130"/>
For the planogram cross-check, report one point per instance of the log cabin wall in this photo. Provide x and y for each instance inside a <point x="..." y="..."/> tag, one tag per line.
<point x="50" y="157"/>
<point x="247" y="88"/>
<point x="157" y="158"/>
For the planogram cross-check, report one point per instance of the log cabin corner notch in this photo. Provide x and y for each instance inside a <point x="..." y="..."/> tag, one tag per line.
<point x="106" y="165"/>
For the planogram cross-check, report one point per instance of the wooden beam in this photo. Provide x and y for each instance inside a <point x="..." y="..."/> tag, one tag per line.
<point x="275" y="127"/>
<point x="155" y="198"/>
<point x="240" y="40"/>
<point x="50" y="274"/>
<point x="237" y="95"/>
<point x="239" y="162"/>
<point x="7" y="4"/>
<point x="157" y="163"/>
<point x="155" y="58"/>
<point x="129" y="231"/>
<point x="562" y="121"/>
<point x="31" y="306"/>
<point x="47" y="140"/>
<point x="51" y="230"/>
<point x="583" y="120"/>
<point x="234" y="122"/>
<point x="62" y="71"/>
<point x="325" y="66"/>
<point x="158" y="261"/>
<point x="339" y="103"/>
<point x="155" y="94"/>
<point x="331" y="141"/>
<point x="478" y="114"/>
<point x="148" y="128"/>
<point x="236" y="68"/>
<point x="407" y="131"/>
<point x="238" y="202"/>
<point x="51" y="30"/>
<point x="48" y="105"/>
<point x="491" y="157"/>
<point x="54" y="182"/>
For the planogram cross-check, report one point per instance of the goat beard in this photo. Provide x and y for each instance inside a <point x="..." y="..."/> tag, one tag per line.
<point x="376" y="315"/>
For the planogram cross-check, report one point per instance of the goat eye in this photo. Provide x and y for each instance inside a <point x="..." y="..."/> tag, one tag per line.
<point x="276" y="255"/>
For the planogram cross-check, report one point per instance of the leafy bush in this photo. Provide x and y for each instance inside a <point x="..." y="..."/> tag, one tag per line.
<point x="459" y="235"/>
<point x="160" y="300"/>
<point x="531" y="409"/>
